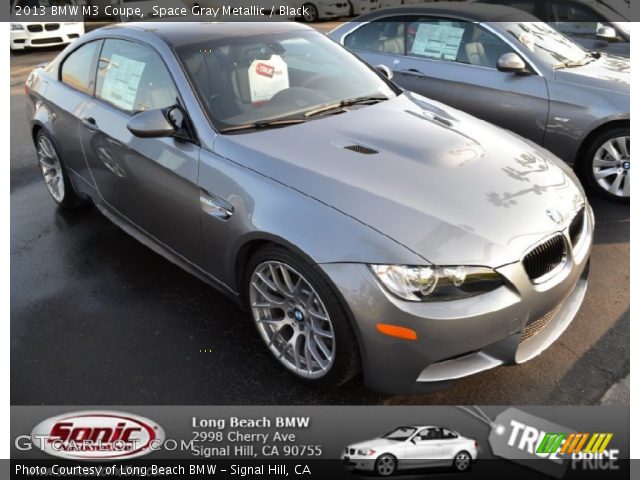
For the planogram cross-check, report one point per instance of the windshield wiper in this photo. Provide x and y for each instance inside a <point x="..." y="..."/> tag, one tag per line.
<point x="263" y="124"/>
<point x="346" y="103"/>
<point x="588" y="58"/>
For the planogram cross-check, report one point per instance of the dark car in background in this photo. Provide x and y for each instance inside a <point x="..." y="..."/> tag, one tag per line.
<point x="505" y="66"/>
<point x="599" y="25"/>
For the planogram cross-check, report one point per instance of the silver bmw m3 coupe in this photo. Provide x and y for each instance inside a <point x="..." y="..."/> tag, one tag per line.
<point x="363" y="227"/>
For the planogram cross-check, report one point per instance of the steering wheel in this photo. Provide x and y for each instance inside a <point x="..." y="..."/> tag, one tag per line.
<point x="311" y="80"/>
<point x="298" y="95"/>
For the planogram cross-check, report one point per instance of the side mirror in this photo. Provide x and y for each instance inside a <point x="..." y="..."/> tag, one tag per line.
<point x="415" y="440"/>
<point x="386" y="71"/>
<point x="607" y="34"/>
<point x="153" y="123"/>
<point x="511" y="62"/>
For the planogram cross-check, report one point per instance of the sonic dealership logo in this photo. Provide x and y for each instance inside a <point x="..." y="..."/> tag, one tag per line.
<point x="97" y="435"/>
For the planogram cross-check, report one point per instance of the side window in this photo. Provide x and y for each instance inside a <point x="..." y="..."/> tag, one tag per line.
<point x="430" y="434"/>
<point x="78" y="69"/>
<point x="454" y="41"/>
<point x="382" y="36"/>
<point x="572" y="19"/>
<point x="133" y="78"/>
<point x="448" y="434"/>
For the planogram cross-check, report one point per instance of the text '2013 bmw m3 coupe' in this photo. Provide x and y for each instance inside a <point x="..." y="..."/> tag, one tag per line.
<point x="363" y="227"/>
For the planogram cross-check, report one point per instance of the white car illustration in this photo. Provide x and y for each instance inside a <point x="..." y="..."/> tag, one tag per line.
<point x="412" y="447"/>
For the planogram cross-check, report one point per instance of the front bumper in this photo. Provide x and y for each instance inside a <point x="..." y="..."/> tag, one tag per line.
<point x="459" y="338"/>
<point x="359" y="463"/>
<point x="47" y="35"/>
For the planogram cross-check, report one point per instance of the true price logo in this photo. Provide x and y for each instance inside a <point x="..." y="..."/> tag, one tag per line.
<point x="97" y="435"/>
<point x="265" y="70"/>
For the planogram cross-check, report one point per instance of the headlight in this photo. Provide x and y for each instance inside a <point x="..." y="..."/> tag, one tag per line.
<point x="432" y="284"/>
<point x="366" y="452"/>
<point x="17" y="26"/>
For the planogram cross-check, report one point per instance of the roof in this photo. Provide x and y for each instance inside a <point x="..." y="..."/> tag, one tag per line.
<point x="177" y="34"/>
<point x="478" y="12"/>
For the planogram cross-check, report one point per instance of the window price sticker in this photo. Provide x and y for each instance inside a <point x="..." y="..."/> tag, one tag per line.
<point x="518" y="436"/>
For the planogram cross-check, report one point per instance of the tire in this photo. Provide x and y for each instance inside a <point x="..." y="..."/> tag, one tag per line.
<point x="386" y="465"/>
<point x="607" y="152"/>
<point x="300" y="318"/>
<point x="462" y="461"/>
<point x="312" y="15"/>
<point x="54" y="173"/>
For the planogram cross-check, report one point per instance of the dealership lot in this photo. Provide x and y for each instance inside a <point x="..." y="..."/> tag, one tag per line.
<point x="99" y="319"/>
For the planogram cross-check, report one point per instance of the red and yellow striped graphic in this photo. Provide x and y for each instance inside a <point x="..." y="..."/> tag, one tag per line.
<point x="574" y="443"/>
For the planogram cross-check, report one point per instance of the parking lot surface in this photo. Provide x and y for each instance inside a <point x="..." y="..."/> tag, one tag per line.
<point x="97" y="318"/>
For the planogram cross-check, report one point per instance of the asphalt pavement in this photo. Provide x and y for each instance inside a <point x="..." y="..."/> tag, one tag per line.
<point x="97" y="318"/>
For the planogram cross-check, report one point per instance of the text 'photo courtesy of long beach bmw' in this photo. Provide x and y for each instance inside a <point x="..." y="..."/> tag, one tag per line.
<point x="363" y="227"/>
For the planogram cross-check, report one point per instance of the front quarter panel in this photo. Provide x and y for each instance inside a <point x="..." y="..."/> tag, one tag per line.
<point x="264" y="209"/>
<point x="577" y="110"/>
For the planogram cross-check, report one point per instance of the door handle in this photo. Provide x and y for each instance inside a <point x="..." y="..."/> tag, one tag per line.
<point x="90" y="123"/>
<point x="413" y="71"/>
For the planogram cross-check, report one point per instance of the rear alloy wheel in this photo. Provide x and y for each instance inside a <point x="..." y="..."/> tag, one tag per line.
<point x="53" y="173"/>
<point x="309" y="13"/>
<point x="299" y="318"/>
<point x="462" y="461"/>
<point x="607" y="165"/>
<point x="386" y="465"/>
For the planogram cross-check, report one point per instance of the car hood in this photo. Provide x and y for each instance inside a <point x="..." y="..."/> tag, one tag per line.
<point x="607" y="72"/>
<point x="375" y="443"/>
<point x="451" y="188"/>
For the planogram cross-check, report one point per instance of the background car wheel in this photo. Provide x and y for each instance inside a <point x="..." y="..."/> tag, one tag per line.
<point x="310" y="13"/>
<point x="386" y="465"/>
<point x="605" y="167"/>
<point x="300" y="318"/>
<point x="54" y="174"/>
<point x="462" y="461"/>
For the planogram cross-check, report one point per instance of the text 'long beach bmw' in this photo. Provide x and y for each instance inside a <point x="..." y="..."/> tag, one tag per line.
<point x="362" y="226"/>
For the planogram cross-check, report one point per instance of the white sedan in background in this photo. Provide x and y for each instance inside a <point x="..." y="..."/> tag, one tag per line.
<point x="412" y="447"/>
<point x="41" y="34"/>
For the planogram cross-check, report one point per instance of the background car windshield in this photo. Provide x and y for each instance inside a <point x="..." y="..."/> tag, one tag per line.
<point x="545" y="43"/>
<point x="265" y="77"/>
<point x="400" y="434"/>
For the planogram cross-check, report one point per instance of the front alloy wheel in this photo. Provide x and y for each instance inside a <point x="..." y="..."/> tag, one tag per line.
<point x="292" y="319"/>
<point x="309" y="13"/>
<point x="605" y="167"/>
<point x="612" y="166"/>
<point x="462" y="461"/>
<point x="299" y="317"/>
<point x="385" y="465"/>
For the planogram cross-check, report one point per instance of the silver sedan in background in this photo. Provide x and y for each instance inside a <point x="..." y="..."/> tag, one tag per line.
<point x="360" y="225"/>
<point x="505" y="66"/>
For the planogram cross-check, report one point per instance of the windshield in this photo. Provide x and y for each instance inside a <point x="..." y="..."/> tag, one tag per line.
<point x="262" y="78"/>
<point x="400" y="434"/>
<point x="547" y="44"/>
<point x="621" y="7"/>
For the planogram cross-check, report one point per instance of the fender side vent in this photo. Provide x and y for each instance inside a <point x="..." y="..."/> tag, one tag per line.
<point x="361" y="149"/>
